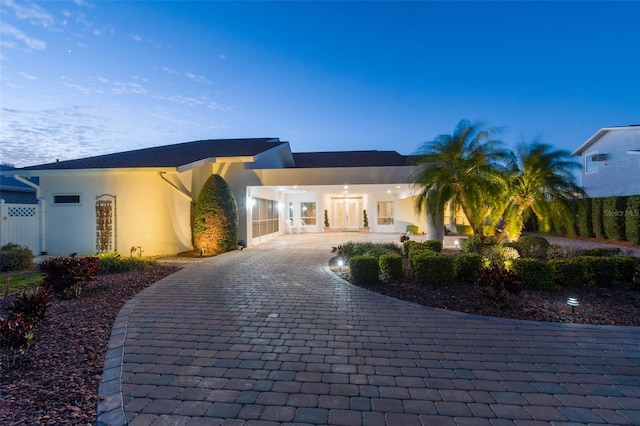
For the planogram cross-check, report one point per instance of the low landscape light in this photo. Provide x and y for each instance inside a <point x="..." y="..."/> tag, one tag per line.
<point x="573" y="302"/>
<point x="340" y="264"/>
<point x="456" y="244"/>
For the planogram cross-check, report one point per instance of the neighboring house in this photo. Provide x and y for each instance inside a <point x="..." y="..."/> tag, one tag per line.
<point x="140" y="201"/>
<point x="611" y="162"/>
<point x="15" y="192"/>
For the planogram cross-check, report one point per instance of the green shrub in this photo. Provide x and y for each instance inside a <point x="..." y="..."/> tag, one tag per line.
<point x="556" y="251"/>
<point x="215" y="221"/>
<point x="15" y="258"/>
<point x="536" y="274"/>
<point x="467" y="267"/>
<point x="496" y="284"/>
<point x="500" y="255"/>
<point x="465" y="230"/>
<point x="601" y="252"/>
<point x="568" y="272"/>
<point x="69" y="275"/>
<point x="110" y="263"/>
<point x="478" y="244"/>
<point x="584" y="219"/>
<point x="603" y="270"/>
<point x="31" y="304"/>
<point x="412" y="229"/>
<point x="413" y="246"/>
<point x="364" y="269"/>
<point x="626" y="267"/>
<point x="632" y="219"/>
<point x="390" y="265"/>
<point x="434" y="245"/>
<point x="532" y="246"/>
<point x="613" y="210"/>
<point x="596" y="218"/>
<point x="429" y="267"/>
<point x="365" y="248"/>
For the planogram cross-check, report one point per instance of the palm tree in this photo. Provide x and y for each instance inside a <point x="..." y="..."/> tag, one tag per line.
<point x="466" y="168"/>
<point x="541" y="180"/>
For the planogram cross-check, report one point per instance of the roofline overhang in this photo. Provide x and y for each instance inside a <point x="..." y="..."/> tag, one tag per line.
<point x="52" y="172"/>
<point x="214" y="160"/>
<point x="597" y="135"/>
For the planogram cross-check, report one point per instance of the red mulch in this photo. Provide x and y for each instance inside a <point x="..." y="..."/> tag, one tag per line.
<point x="618" y="305"/>
<point x="57" y="382"/>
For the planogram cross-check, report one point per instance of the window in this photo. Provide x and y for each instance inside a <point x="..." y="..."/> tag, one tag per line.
<point x="590" y="163"/>
<point x="385" y="213"/>
<point x="66" y="199"/>
<point x="308" y="213"/>
<point x="265" y="217"/>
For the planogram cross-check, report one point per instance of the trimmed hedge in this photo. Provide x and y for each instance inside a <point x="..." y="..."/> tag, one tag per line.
<point x="601" y="252"/>
<point x="568" y="272"/>
<point x="467" y="267"/>
<point x="596" y="218"/>
<point x="428" y="267"/>
<point x="632" y="219"/>
<point x="536" y="274"/>
<point x="585" y="219"/>
<point x="390" y="267"/>
<point x="532" y="246"/>
<point x="434" y="245"/>
<point x="613" y="211"/>
<point x="364" y="269"/>
<point x="626" y="267"/>
<point x="215" y="218"/>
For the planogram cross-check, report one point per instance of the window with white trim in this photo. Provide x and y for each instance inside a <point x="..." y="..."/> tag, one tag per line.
<point x="590" y="163"/>
<point x="308" y="213"/>
<point x="385" y="212"/>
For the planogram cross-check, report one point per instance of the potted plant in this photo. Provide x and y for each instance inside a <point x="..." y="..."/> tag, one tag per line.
<point x="327" y="228"/>
<point x="365" y="222"/>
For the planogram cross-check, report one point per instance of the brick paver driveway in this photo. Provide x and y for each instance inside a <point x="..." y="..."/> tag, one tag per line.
<point x="268" y="336"/>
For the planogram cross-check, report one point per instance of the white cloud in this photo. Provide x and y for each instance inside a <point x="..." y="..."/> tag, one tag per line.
<point x="83" y="3"/>
<point x="27" y="76"/>
<point x="68" y="82"/>
<point x="129" y="88"/>
<point x="15" y="33"/>
<point x="31" y="12"/>
<point x="135" y="37"/>
<point x="222" y="57"/>
<point x="197" y="78"/>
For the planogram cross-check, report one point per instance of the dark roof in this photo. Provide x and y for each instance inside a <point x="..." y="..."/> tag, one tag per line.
<point x="168" y="155"/>
<point x="349" y="159"/>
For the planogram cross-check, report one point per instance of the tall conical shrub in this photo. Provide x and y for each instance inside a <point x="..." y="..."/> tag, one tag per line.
<point x="215" y="220"/>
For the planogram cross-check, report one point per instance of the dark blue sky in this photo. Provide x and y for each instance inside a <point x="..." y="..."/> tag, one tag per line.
<point x="83" y="78"/>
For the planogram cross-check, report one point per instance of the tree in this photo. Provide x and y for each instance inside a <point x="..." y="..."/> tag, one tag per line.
<point x="541" y="180"/>
<point x="215" y="220"/>
<point x="465" y="168"/>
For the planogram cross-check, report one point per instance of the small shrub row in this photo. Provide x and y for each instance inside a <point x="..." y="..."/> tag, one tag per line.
<point x="410" y="245"/>
<point x="110" y="263"/>
<point x="14" y="257"/>
<point x="615" y="218"/>
<point x="69" y="275"/>
<point x="354" y="248"/>
<point x="364" y="269"/>
<point x="593" y="271"/>
<point x="390" y="266"/>
<point x="536" y="274"/>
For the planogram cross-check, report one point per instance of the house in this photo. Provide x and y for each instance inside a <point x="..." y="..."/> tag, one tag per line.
<point x="611" y="162"/>
<point x="140" y="202"/>
<point x="14" y="191"/>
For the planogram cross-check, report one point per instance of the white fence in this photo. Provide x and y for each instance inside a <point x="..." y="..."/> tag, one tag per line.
<point x="20" y="224"/>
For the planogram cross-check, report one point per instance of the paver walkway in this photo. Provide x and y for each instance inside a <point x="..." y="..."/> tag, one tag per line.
<point x="269" y="336"/>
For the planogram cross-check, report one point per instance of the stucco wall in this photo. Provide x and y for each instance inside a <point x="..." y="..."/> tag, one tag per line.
<point x="150" y="214"/>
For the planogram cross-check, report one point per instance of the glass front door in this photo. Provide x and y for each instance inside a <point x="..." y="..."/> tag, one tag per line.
<point x="346" y="213"/>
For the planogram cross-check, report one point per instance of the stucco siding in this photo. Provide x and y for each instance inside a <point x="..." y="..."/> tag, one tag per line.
<point x="619" y="174"/>
<point x="150" y="214"/>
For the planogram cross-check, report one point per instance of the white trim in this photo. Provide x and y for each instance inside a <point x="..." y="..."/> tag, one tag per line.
<point x="586" y="157"/>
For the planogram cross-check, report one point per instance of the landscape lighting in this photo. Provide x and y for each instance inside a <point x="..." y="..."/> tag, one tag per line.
<point x="573" y="302"/>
